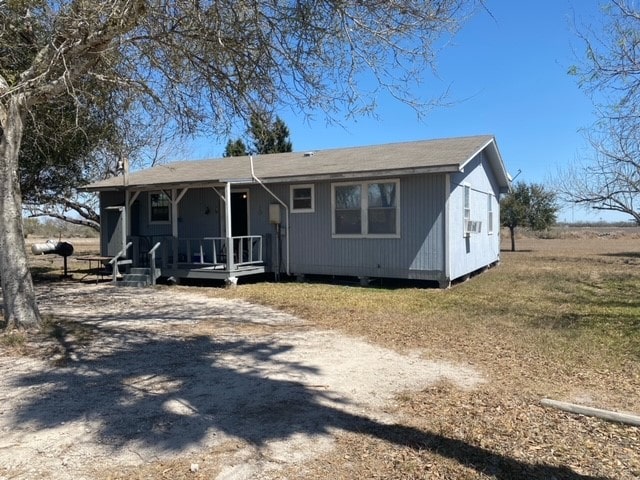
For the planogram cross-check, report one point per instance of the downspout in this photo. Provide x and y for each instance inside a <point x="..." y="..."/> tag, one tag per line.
<point x="286" y="208"/>
<point x="447" y="226"/>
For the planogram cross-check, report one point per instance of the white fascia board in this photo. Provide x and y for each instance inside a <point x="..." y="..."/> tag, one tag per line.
<point x="363" y="174"/>
<point x="495" y="158"/>
<point x="473" y="155"/>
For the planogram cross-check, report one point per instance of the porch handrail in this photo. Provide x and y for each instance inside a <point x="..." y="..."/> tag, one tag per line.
<point x="114" y="261"/>
<point x="254" y="243"/>
<point x="194" y="250"/>
<point x="152" y="262"/>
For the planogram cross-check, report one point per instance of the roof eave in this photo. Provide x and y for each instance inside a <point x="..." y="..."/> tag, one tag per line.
<point x="495" y="158"/>
<point x="362" y="174"/>
<point x="280" y="179"/>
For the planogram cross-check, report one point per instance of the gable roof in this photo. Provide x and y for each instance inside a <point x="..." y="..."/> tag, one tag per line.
<point x="427" y="156"/>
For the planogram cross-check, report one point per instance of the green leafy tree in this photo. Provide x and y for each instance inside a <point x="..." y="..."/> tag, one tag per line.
<point x="529" y="206"/>
<point x="191" y="67"/>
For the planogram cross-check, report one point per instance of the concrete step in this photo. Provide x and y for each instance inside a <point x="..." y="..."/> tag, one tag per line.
<point x="140" y="271"/>
<point x="144" y="271"/>
<point x="132" y="283"/>
<point x="135" y="280"/>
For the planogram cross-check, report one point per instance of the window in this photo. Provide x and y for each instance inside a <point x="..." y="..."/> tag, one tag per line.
<point x="302" y="199"/>
<point x="467" y="208"/>
<point x="159" y="207"/>
<point x="381" y="218"/>
<point x="366" y="209"/>
<point x="348" y="210"/>
<point x="489" y="213"/>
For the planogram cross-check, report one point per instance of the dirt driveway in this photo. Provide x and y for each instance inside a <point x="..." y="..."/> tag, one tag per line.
<point x="137" y="376"/>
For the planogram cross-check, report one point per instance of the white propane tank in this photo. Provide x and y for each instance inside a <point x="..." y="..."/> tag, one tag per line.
<point x="63" y="249"/>
<point x="44" y="248"/>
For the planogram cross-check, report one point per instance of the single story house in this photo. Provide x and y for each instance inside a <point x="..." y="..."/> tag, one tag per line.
<point x="417" y="210"/>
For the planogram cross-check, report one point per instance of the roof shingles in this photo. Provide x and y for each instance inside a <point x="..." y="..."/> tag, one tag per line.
<point x="437" y="155"/>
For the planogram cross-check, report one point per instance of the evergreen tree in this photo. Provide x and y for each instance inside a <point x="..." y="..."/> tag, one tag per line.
<point x="268" y="135"/>
<point x="235" y="148"/>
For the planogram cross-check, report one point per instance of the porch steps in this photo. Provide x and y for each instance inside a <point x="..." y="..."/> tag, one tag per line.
<point x="137" y="277"/>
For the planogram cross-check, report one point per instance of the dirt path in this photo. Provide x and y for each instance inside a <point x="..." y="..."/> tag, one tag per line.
<point x="146" y="375"/>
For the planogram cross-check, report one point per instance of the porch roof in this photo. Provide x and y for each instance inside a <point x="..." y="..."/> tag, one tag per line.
<point x="442" y="155"/>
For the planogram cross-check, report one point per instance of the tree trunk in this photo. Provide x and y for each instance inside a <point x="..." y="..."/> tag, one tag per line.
<point x="18" y="294"/>
<point x="512" y="231"/>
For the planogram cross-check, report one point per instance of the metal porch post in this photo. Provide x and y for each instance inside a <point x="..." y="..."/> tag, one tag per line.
<point x="231" y="280"/>
<point x="174" y="227"/>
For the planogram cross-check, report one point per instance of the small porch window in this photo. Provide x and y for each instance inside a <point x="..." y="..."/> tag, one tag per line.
<point x="302" y="199"/>
<point x="159" y="207"/>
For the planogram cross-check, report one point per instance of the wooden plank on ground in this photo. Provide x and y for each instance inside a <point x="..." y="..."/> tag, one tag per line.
<point x="626" y="418"/>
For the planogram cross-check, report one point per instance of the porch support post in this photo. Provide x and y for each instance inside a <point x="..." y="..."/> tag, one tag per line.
<point x="127" y="203"/>
<point x="127" y="224"/>
<point x="174" y="227"/>
<point x="174" y="213"/>
<point x="129" y="198"/>
<point x="175" y="201"/>
<point x="227" y="225"/>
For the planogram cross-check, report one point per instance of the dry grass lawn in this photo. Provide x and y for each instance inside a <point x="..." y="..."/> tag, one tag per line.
<point x="559" y="318"/>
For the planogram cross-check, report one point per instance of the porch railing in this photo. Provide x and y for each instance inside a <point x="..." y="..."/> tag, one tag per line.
<point x="212" y="251"/>
<point x="115" y="261"/>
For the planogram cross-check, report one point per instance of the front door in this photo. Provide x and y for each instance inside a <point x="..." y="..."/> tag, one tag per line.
<point x="239" y="214"/>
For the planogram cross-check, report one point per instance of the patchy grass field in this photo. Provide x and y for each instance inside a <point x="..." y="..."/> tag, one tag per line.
<point x="559" y="318"/>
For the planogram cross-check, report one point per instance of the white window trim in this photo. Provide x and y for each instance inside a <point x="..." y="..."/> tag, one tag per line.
<point x="466" y="188"/>
<point x="313" y="198"/>
<point x="158" y="222"/>
<point x="490" y="214"/>
<point x="364" y="209"/>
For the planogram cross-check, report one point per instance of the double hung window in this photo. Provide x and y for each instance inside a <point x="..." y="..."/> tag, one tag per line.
<point x="159" y="207"/>
<point x="369" y="208"/>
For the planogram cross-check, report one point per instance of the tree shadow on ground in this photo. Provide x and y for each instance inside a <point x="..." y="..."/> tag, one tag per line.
<point x="623" y="254"/>
<point x="170" y="394"/>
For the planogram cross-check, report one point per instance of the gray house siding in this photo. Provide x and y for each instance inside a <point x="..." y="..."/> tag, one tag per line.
<point x="259" y="201"/>
<point x="477" y="250"/>
<point x="111" y="225"/>
<point x="430" y="241"/>
<point x="417" y="254"/>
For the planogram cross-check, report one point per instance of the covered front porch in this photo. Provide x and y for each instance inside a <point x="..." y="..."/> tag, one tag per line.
<point x="207" y="236"/>
<point x="214" y="258"/>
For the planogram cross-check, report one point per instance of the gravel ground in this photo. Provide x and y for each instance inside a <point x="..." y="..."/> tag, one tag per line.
<point x="136" y="377"/>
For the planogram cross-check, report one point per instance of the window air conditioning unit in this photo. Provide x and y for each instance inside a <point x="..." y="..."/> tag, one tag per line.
<point x="472" y="226"/>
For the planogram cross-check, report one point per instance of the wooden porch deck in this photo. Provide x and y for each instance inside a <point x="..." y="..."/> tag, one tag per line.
<point x="211" y="272"/>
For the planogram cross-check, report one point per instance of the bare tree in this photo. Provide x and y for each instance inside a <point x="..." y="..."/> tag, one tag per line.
<point x="609" y="179"/>
<point x="202" y="64"/>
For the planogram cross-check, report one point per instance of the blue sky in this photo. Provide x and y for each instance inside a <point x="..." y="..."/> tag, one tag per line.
<point x="507" y="76"/>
